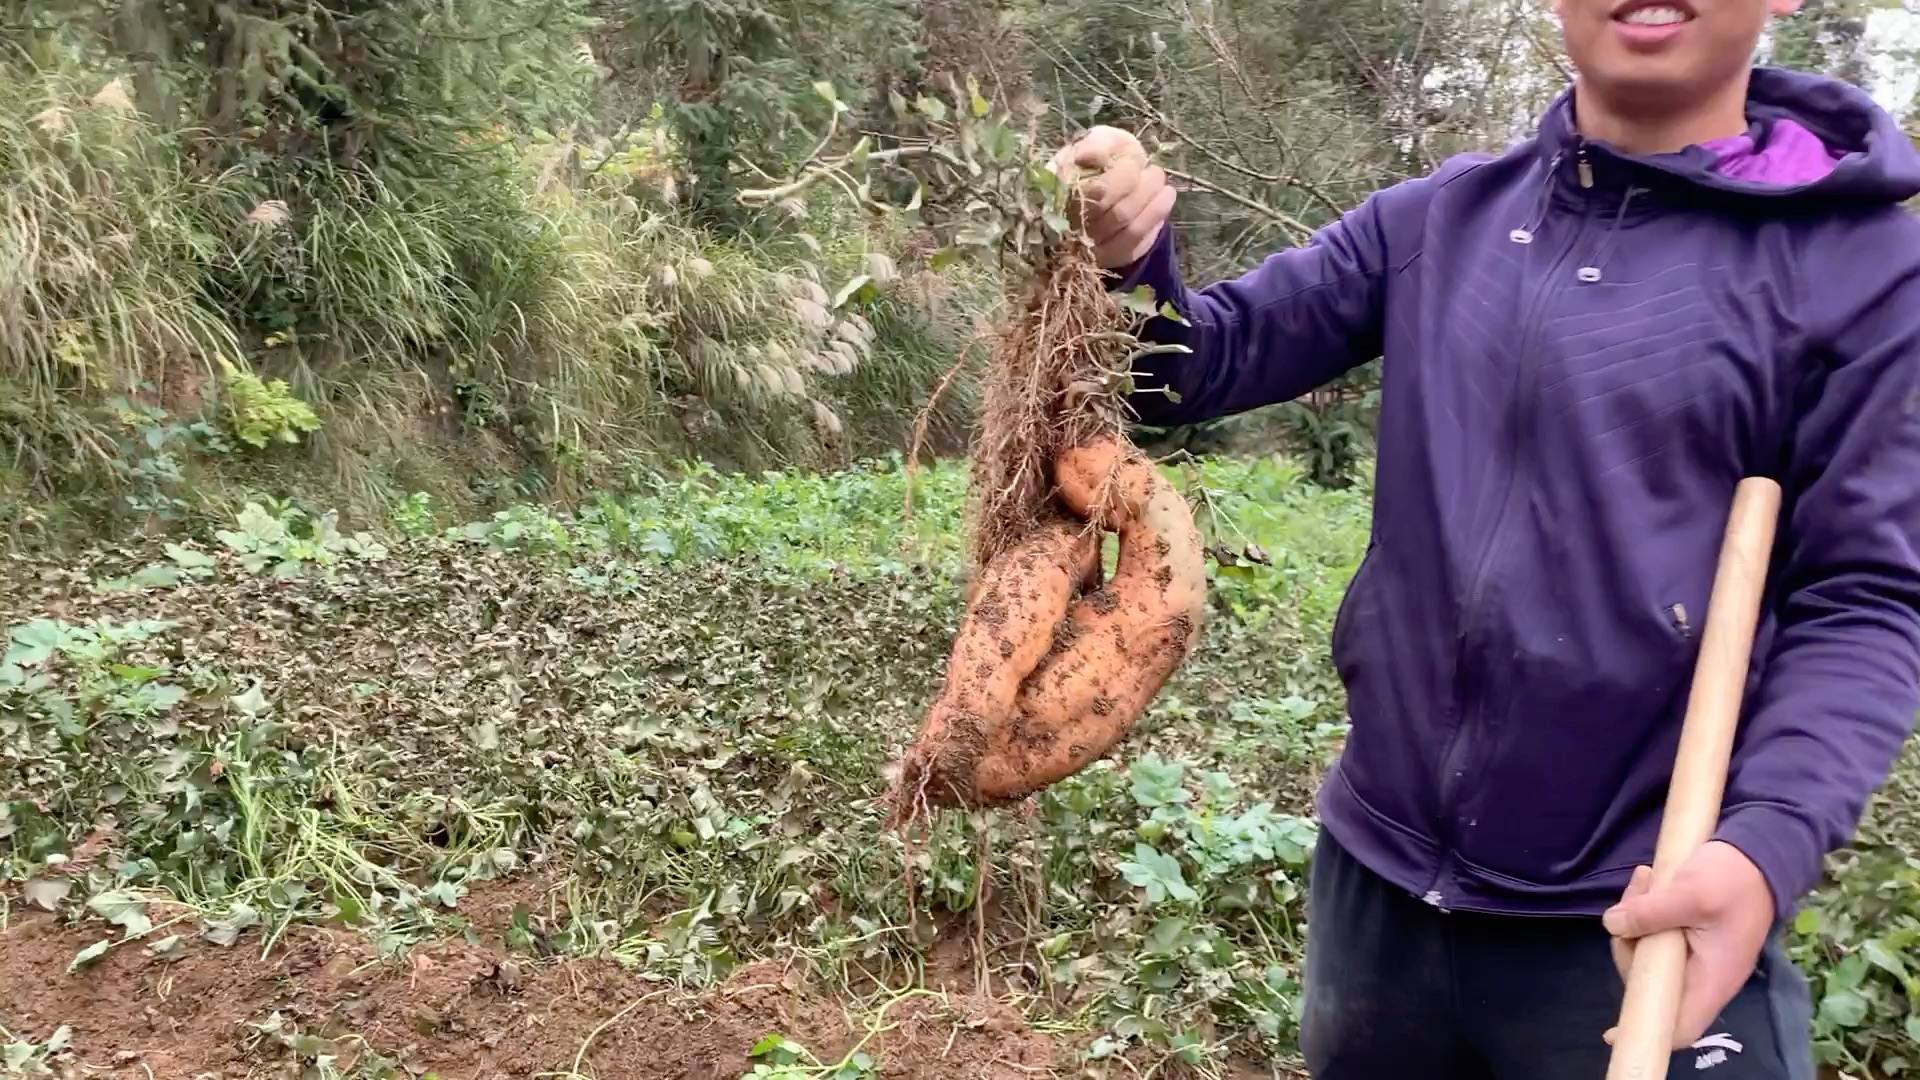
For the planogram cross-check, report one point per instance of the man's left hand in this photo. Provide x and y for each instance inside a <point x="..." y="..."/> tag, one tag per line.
<point x="1722" y="902"/>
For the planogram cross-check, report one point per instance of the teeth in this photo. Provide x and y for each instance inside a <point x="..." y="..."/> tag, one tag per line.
<point x="1654" y="16"/>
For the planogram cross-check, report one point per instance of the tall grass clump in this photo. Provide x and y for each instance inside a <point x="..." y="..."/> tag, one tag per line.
<point x="103" y="239"/>
<point x="532" y="317"/>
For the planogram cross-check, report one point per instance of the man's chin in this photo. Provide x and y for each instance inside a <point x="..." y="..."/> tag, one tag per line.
<point x="1642" y="88"/>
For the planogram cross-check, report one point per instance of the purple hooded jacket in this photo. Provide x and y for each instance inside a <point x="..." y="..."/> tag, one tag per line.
<point x="1582" y="353"/>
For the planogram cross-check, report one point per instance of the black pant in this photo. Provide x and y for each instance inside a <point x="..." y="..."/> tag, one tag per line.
<point x="1397" y="989"/>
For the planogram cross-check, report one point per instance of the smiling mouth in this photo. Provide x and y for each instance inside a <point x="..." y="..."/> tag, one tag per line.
<point x="1653" y="15"/>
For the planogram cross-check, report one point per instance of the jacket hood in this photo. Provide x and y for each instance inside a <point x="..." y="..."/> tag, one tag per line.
<point x="1873" y="162"/>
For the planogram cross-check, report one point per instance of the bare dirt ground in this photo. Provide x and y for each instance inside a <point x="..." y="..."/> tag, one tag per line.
<point x="460" y="1011"/>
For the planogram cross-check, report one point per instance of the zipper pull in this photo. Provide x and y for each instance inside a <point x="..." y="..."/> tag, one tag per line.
<point x="1585" y="168"/>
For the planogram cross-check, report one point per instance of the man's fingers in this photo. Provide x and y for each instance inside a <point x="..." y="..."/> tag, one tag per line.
<point x="1134" y="202"/>
<point x="1652" y="910"/>
<point x="1104" y="194"/>
<point x="1637" y="885"/>
<point x="1123" y="206"/>
<point x="1640" y="882"/>
<point x="1712" y="980"/>
<point x="1137" y="238"/>
<point x="1098" y="150"/>
<point x="1091" y="206"/>
<point x="1118" y="199"/>
<point x="1622" y="955"/>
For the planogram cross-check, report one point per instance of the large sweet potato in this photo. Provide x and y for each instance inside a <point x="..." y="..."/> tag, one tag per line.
<point x="1040" y="683"/>
<point x="1012" y="608"/>
<point x="1117" y="645"/>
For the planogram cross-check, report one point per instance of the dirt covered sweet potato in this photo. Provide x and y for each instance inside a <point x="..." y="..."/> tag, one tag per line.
<point x="1119" y="644"/>
<point x="1051" y="668"/>
<point x="1013" y="607"/>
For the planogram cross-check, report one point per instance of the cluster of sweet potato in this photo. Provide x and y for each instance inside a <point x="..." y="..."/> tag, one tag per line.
<point x="1052" y="665"/>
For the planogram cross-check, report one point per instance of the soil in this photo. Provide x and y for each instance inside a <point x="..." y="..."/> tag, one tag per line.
<point x="462" y="1011"/>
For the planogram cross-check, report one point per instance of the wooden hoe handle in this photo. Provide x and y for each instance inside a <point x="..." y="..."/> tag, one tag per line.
<point x="1643" y="1040"/>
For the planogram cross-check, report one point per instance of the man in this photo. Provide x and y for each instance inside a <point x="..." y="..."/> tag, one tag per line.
<point x="1697" y="271"/>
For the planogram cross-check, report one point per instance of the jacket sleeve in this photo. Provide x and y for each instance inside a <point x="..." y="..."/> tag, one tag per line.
<point x="1841" y="682"/>
<point x="1300" y="319"/>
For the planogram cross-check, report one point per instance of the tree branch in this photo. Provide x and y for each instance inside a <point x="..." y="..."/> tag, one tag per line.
<point x="813" y="174"/>
<point x="1301" y="231"/>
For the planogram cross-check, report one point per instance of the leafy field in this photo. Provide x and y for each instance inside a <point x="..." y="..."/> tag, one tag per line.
<point x="595" y="796"/>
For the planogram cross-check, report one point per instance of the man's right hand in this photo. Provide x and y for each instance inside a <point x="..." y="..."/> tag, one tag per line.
<point x="1124" y="208"/>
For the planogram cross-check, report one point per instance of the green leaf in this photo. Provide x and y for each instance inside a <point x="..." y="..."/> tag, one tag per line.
<point x="1158" y="782"/>
<point x="123" y="910"/>
<point x="35" y="643"/>
<point x="89" y="954"/>
<point x="827" y="92"/>
<point x="1159" y="874"/>
<point x="252" y="702"/>
<point x="227" y="931"/>
<point x="931" y="108"/>
<point x="778" y="1049"/>
<point x="999" y="142"/>
<point x="1913" y="1029"/>
<point x="157" y="576"/>
<point x="1850" y="973"/>
<point x="851" y="289"/>
<point x="256" y="524"/>
<point x="1167" y="936"/>
<point x="189" y="559"/>
<point x="766" y="1045"/>
<point x="1189" y="1047"/>
<point x="1843" y="1008"/>
<point x="1139" y="301"/>
<point x="1877" y="954"/>
<point x="46" y="893"/>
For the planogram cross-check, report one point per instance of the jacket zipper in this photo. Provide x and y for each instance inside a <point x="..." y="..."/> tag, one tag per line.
<point x="1455" y="753"/>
